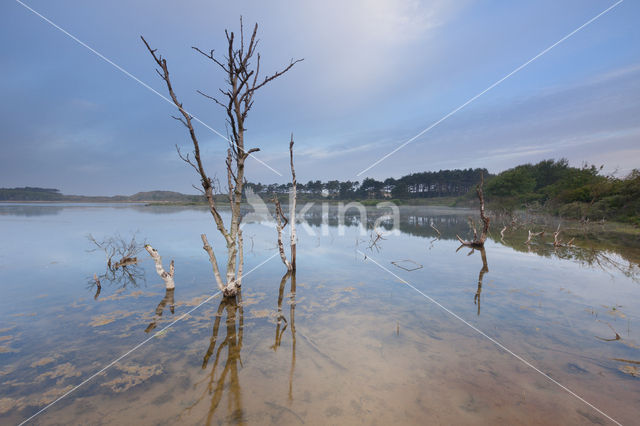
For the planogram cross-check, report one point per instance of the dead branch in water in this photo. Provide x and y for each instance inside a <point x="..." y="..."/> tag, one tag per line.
<point x="478" y="241"/>
<point x="557" y="242"/>
<point x="121" y="272"/>
<point x="167" y="277"/>
<point x="373" y="241"/>
<point x="533" y="235"/>
<point x="117" y="247"/>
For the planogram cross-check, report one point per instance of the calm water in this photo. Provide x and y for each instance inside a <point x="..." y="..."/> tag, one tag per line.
<point x="342" y="342"/>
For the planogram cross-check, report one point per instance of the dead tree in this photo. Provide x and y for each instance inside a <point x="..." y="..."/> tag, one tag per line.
<point x="557" y="242"/>
<point x="116" y="246"/>
<point x="242" y="82"/>
<point x="167" y="277"/>
<point x="281" y="220"/>
<point x="120" y="272"/>
<point x="533" y="235"/>
<point x="478" y="241"/>
<point x="292" y="205"/>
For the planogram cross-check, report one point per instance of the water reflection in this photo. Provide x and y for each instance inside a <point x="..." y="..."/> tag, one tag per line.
<point x="168" y="299"/>
<point x="281" y="319"/>
<point x="29" y="210"/>
<point x="483" y="270"/>
<point x="552" y="318"/>
<point x="214" y="390"/>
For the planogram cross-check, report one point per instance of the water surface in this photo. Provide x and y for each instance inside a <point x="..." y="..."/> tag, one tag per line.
<point x="341" y="342"/>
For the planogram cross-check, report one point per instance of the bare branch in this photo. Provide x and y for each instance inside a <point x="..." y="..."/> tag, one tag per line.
<point x="478" y="242"/>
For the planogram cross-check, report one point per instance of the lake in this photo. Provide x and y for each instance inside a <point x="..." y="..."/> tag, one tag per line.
<point x="409" y="330"/>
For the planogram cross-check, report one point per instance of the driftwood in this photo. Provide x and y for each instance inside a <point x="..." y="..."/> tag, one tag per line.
<point x="167" y="277"/>
<point x="478" y="241"/>
<point x="533" y="235"/>
<point x="373" y="240"/>
<point x="557" y="242"/>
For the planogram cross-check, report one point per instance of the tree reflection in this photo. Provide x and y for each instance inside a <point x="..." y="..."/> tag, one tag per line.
<point x="168" y="298"/>
<point x="228" y="378"/>
<point x="292" y="323"/>
<point x="483" y="270"/>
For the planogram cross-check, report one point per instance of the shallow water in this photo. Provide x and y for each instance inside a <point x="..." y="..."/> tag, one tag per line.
<point x="479" y="338"/>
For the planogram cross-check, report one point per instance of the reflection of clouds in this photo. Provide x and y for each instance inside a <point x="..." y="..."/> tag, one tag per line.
<point x="61" y="373"/>
<point x="104" y="319"/>
<point x="132" y="375"/>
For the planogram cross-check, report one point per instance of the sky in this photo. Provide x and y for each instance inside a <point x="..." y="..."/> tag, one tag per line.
<point x="375" y="74"/>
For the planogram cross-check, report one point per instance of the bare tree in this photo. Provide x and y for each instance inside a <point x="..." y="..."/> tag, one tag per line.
<point x="294" y="198"/>
<point x="281" y="219"/>
<point x="478" y="241"/>
<point x="242" y="81"/>
<point x="281" y="222"/>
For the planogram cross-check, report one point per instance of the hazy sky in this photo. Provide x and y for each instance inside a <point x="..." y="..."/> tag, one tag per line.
<point x="376" y="73"/>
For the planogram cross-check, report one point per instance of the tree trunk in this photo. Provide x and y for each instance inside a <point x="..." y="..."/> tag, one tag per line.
<point x="478" y="242"/>
<point x="167" y="277"/>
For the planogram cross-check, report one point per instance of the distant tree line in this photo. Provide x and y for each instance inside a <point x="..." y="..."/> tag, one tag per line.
<point x="29" y="193"/>
<point x="444" y="183"/>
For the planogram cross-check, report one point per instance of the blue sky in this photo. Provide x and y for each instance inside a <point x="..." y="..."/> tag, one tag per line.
<point x="375" y="74"/>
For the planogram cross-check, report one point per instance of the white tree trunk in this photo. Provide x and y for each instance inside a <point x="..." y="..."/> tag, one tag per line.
<point x="292" y="211"/>
<point x="167" y="277"/>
